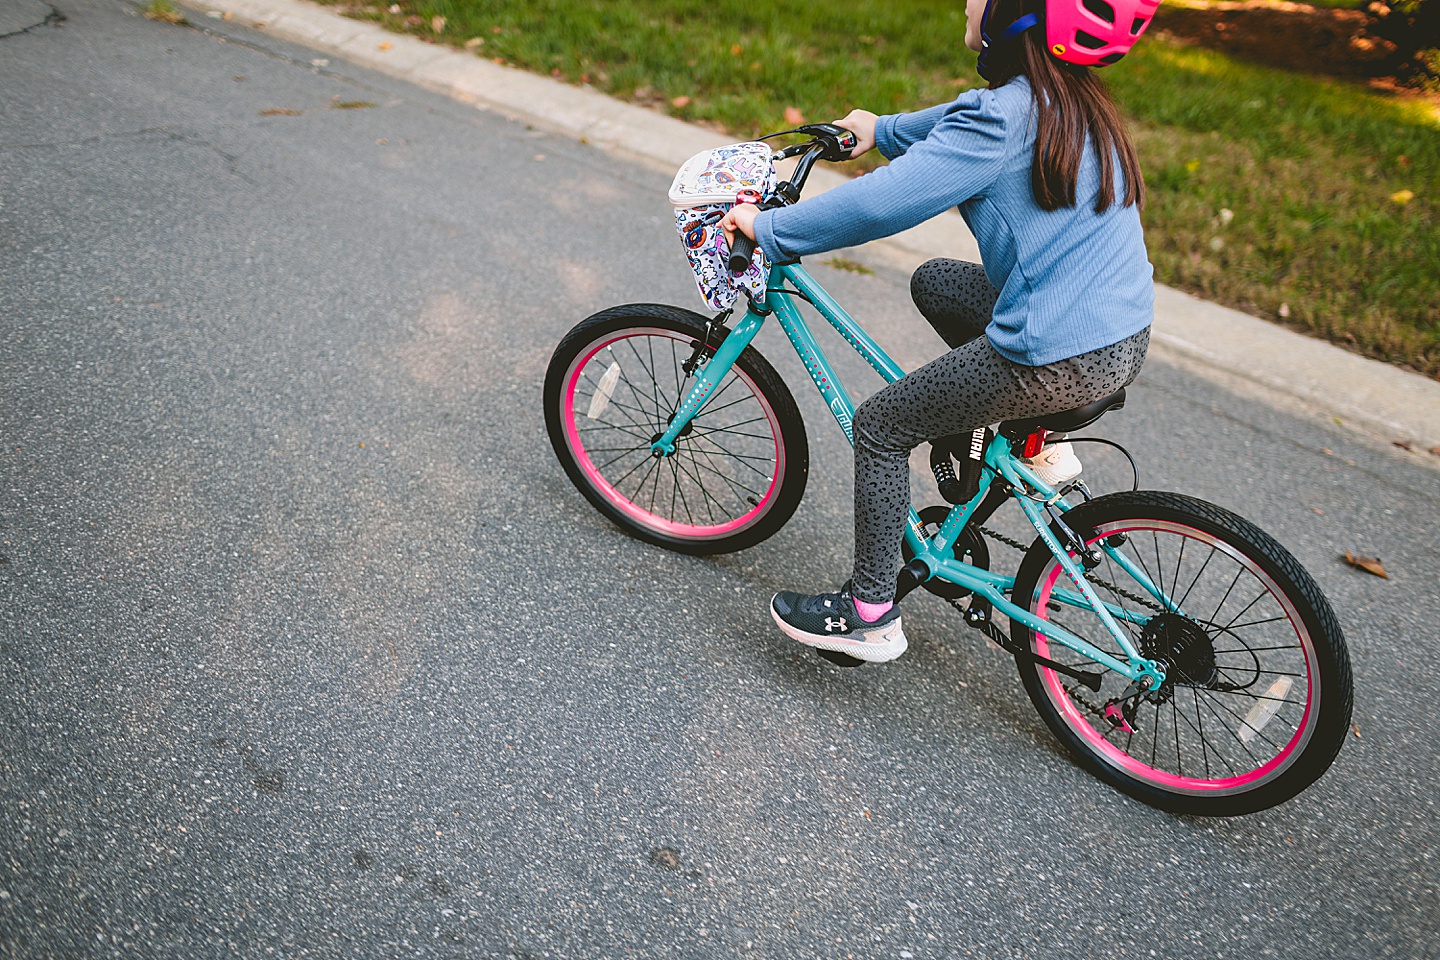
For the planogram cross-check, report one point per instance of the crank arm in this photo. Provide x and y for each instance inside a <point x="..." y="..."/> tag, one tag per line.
<point x="1091" y="680"/>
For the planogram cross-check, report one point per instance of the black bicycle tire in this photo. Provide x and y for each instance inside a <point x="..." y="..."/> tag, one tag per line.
<point x="1332" y="658"/>
<point x="790" y="425"/>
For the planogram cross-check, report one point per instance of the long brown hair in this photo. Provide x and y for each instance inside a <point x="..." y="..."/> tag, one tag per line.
<point x="1070" y="102"/>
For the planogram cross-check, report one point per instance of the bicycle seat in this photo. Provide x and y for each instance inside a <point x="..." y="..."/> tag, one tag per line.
<point x="1066" y="420"/>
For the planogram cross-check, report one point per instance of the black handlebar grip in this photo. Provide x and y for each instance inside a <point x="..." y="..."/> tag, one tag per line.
<point x="740" y="253"/>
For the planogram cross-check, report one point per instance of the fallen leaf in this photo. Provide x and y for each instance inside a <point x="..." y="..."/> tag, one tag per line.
<point x="227" y="15"/>
<point x="1356" y="727"/>
<point x="1318" y="511"/>
<point x="1435" y="450"/>
<point x="680" y="102"/>
<point x="280" y="112"/>
<point x="385" y="46"/>
<point x="736" y="50"/>
<point x="794" y="117"/>
<point x="1403" y="445"/>
<point x="437" y="24"/>
<point x="1284" y="310"/>
<point x="1368" y="564"/>
<point x="352" y="104"/>
<point x="474" y="42"/>
<point x="1403" y="196"/>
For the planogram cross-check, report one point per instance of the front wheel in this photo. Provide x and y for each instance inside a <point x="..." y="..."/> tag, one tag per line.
<point x="739" y="467"/>
<point x="1257" y="697"/>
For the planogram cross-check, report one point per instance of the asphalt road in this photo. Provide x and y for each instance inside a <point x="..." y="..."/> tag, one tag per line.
<point x="309" y="649"/>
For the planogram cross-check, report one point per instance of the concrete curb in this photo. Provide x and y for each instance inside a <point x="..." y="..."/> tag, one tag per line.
<point x="1276" y="365"/>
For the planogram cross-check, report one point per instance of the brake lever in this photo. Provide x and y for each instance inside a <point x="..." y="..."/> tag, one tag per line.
<point x="837" y="141"/>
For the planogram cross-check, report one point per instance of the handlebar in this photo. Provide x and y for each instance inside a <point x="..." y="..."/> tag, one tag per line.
<point x="828" y="142"/>
<point x="740" y="253"/>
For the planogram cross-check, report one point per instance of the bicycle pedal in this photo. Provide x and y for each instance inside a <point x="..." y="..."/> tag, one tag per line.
<point x="840" y="659"/>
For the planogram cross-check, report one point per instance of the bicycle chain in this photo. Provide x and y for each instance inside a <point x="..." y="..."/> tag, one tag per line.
<point x="1119" y="591"/>
<point x="1084" y="701"/>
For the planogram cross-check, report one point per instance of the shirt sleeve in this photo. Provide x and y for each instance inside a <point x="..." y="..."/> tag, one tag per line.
<point x="898" y="132"/>
<point x="961" y="156"/>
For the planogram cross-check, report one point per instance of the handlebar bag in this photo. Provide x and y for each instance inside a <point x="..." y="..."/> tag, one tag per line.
<point x="703" y="191"/>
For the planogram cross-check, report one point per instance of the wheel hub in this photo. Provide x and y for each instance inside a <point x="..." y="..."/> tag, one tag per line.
<point x="1183" y="649"/>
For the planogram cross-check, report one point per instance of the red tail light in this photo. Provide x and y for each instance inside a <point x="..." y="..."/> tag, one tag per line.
<point x="1033" y="443"/>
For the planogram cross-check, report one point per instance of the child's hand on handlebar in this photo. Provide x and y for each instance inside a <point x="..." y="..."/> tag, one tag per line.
<point x="862" y="124"/>
<point x="739" y="217"/>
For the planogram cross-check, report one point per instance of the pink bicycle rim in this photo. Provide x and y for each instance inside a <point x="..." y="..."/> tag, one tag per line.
<point x="1143" y="771"/>
<point x="633" y="510"/>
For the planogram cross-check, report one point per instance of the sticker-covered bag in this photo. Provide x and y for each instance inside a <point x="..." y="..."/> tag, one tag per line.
<point x="703" y="191"/>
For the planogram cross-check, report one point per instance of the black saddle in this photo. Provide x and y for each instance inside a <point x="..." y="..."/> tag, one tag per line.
<point x="1066" y="420"/>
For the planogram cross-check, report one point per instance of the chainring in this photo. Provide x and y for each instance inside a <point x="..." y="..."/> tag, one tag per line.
<point x="969" y="548"/>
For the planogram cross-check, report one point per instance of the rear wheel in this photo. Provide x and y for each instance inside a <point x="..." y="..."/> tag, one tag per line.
<point x="1257" y="696"/>
<point x="739" y="467"/>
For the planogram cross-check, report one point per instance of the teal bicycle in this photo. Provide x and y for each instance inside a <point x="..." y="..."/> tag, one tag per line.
<point x="1177" y="651"/>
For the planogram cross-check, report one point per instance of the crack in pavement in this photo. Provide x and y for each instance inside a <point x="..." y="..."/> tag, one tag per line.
<point x="232" y="160"/>
<point x="52" y="19"/>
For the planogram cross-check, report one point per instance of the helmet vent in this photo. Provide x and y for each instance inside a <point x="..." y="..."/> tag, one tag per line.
<point x="1101" y="9"/>
<point x="1087" y="41"/>
<point x="1137" y="26"/>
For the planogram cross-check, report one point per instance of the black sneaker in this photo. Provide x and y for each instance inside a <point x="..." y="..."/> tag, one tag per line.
<point x="829" y="621"/>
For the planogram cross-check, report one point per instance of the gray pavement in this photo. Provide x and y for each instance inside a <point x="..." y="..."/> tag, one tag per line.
<point x="311" y="650"/>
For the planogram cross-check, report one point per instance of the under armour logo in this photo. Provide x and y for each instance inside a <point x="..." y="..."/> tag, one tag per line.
<point x="834" y="624"/>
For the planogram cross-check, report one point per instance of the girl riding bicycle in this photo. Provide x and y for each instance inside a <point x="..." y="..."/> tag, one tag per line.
<point x="1044" y="173"/>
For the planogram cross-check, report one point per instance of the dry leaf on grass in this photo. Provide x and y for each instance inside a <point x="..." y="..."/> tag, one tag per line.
<point x="794" y="117"/>
<point x="1368" y="564"/>
<point x="680" y="102"/>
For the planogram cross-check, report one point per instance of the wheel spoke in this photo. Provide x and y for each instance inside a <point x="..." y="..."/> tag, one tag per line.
<point x="1247" y="665"/>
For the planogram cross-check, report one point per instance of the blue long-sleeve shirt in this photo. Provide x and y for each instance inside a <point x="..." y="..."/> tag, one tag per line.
<point x="1070" y="280"/>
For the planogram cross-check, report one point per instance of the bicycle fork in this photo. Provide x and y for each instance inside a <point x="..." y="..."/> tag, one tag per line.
<point x="708" y="375"/>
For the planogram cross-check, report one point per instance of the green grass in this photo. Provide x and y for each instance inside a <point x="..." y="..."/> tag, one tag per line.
<point x="164" y="11"/>
<point x="1306" y="167"/>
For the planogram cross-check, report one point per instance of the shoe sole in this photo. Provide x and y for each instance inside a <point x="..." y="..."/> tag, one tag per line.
<point x="893" y="646"/>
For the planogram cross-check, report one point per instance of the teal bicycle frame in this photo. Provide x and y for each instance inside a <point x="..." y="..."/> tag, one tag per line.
<point x="936" y="552"/>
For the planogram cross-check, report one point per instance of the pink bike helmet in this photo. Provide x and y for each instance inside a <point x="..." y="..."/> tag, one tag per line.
<point x="1089" y="33"/>
<point x="1092" y="33"/>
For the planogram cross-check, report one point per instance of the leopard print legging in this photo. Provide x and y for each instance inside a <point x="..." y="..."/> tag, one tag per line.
<point x="971" y="386"/>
